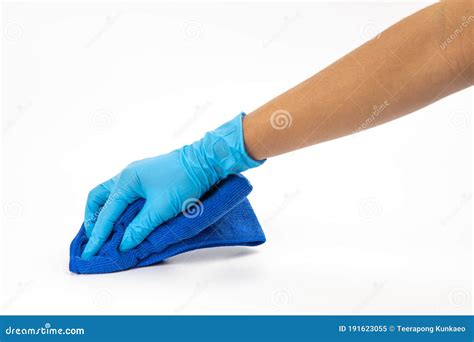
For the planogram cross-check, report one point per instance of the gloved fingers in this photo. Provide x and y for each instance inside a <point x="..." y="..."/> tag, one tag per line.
<point x="142" y="225"/>
<point x="95" y="200"/>
<point x="111" y="211"/>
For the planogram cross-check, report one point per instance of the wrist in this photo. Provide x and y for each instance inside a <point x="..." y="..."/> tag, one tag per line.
<point x="219" y="153"/>
<point x="226" y="144"/>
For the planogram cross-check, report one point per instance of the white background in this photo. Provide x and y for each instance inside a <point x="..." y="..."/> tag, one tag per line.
<point x="378" y="223"/>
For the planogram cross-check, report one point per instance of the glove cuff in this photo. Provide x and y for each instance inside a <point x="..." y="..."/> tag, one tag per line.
<point x="226" y="144"/>
<point x="221" y="152"/>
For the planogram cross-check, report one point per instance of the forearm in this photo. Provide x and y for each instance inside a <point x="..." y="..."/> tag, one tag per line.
<point x="409" y="66"/>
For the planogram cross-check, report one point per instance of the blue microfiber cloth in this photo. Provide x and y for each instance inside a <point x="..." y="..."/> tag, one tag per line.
<point x="224" y="217"/>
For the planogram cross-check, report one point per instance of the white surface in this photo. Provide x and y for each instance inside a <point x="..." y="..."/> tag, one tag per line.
<point x="375" y="223"/>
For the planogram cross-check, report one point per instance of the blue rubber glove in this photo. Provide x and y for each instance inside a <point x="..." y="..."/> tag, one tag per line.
<point x="169" y="183"/>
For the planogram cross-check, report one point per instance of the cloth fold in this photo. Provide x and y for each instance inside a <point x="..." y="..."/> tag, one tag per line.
<point x="222" y="217"/>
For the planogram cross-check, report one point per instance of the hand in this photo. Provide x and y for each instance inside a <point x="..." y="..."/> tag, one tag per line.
<point x="162" y="180"/>
<point x="166" y="182"/>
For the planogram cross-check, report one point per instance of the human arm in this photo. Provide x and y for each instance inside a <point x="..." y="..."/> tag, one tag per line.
<point x="408" y="66"/>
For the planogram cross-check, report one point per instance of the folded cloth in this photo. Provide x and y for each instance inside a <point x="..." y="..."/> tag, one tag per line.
<point x="222" y="217"/>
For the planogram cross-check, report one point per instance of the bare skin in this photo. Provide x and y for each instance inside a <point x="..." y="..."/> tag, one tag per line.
<point x="421" y="59"/>
<point x="418" y="61"/>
